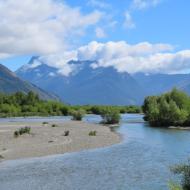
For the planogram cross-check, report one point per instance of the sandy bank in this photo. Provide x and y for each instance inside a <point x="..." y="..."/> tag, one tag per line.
<point x="47" y="140"/>
<point x="178" y="127"/>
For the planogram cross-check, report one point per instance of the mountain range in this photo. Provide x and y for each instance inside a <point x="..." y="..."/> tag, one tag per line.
<point x="11" y="83"/>
<point x="86" y="85"/>
<point x="103" y="85"/>
<point x="155" y="84"/>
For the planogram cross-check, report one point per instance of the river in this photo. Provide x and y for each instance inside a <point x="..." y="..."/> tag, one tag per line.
<point x="140" y="162"/>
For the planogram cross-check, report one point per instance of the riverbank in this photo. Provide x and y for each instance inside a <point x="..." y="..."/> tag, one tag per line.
<point x="179" y="127"/>
<point x="46" y="140"/>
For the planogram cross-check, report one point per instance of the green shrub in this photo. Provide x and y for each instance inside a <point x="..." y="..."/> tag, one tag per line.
<point x="1" y="157"/>
<point x="174" y="186"/>
<point x="16" y="134"/>
<point x="77" y="115"/>
<point x="66" y="133"/>
<point x="22" y="131"/>
<point x="92" y="133"/>
<point x="170" y="109"/>
<point x="54" y="125"/>
<point x="184" y="171"/>
<point x="110" y="116"/>
<point x="45" y="123"/>
<point x="21" y="104"/>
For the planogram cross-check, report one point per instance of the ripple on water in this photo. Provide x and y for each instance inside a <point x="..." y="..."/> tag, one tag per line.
<point x="141" y="161"/>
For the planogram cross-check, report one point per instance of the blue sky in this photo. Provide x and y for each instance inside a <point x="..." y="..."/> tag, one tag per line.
<point x="153" y="21"/>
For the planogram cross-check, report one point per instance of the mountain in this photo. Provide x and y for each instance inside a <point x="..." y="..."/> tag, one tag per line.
<point x="86" y="85"/>
<point x="156" y="84"/>
<point x="11" y="83"/>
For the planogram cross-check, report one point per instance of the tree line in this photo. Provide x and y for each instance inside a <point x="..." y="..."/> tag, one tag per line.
<point x="21" y="104"/>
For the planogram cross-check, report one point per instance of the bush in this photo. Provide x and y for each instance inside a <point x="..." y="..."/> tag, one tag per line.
<point x="54" y="125"/>
<point x="22" y="131"/>
<point x="110" y="116"/>
<point x="184" y="171"/>
<point x="170" y="109"/>
<point x="174" y="186"/>
<point x="97" y="109"/>
<point x="66" y="133"/>
<point x="77" y="114"/>
<point x="21" y="104"/>
<point x="1" y="157"/>
<point x="16" y="134"/>
<point x="45" y="123"/>
<point x="92" y="133"/>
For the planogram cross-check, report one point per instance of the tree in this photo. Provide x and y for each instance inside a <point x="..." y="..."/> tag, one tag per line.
<point x="170" y="109"/>
<point x="77" y="114"/>
<point x="151" y="109"/>
<point x="110" y="116"/>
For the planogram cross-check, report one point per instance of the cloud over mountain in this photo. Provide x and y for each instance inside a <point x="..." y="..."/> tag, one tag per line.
<point x="142" y="57"/>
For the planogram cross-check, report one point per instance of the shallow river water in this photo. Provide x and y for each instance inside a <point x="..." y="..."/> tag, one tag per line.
<point x="140" y="162"/>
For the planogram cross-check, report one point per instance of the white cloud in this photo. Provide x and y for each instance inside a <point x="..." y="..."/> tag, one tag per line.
<point x="144" y="4"/>
<point x="99" y="4"/>
<point x="142" y="57"/>
<point x="40" y="26"/>
<point x="129" y="23"/>
<point x="100" y="33"/>
<point x="137" y="5"/>
<point x="60" y="61"/>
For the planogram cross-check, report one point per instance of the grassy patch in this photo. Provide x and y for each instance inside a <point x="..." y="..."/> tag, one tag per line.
<point x="92" y="133"/>
<point x="66" y="133"/>
<point x="45" y="123"/>
<point x="77" y="115"/>
<point x="1" y="157"/>
<point x="21" y="131"/>
<point x="54" y="125"/>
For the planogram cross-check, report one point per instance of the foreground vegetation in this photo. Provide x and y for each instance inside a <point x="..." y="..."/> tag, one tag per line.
<point x="110" y="116"/>
<point x="170" y="109"/>
<point x="21" y="131"/>
<point x="20" y="104"/>
<point x="183" y="170"/>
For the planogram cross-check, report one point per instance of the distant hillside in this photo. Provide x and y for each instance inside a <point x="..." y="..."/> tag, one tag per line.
<point x="156" y="84"/>
<point x="86" y="85"/>
<point x="10" y="83"/>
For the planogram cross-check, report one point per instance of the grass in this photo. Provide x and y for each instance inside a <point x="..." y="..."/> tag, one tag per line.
<point x="92" y="133"/>
<point x="54" y="125"/>
<point x="45" y="123"/>
<point x="77" y="115"/>
<point x="66" y="133"/>
<point x="1" y="157"/>
<point x="21" y="131"/>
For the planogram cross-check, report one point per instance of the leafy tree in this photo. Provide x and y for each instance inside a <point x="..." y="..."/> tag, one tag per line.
<point x="110" y="116"/>
<point x="168" y="109"/>
<point x="77" y="114"/>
